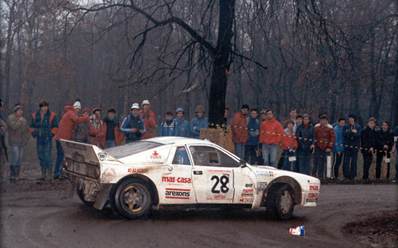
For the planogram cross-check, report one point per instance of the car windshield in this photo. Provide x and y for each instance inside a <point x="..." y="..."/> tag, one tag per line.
<point x="131" y="148"/>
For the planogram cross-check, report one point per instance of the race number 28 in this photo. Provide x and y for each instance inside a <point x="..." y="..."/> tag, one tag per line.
<point x="223" y="180"/>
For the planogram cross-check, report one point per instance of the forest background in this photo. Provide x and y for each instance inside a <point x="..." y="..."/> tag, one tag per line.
<point x="319" y="56"/>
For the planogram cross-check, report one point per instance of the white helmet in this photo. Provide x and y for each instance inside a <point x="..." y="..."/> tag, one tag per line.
<point x="145" y="102"/>
<point x="135" y="106"/>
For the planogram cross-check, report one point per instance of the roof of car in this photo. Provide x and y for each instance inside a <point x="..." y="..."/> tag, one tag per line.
<point x="177" y="140"/>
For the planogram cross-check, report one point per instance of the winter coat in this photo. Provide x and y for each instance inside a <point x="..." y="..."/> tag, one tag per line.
<point x="18" y="131"/>
<point x="339" y="143"/>
<point x="271" y="132"/>
<point x="384" y="138"/>
<point x="324" y="136"/>
<point x="133" y="122"/>
<point x="81" y="133"/>
<point x="167" y="130"/>
<point x="149" y="122"/>
<point x="119" y="136"/>
<point x="182" y="127"/>
<point x="44" y="128"/>
<point x="350" y="138"/>
<point x="289" y="141"/>
<point x="368" y="140"/>
<point x="68" y="122"/>
<point x="196" y="125"/>
<point x="95" y="131"/>
<point x="305" y="137"/>
<point x="239" y="128"/>
<point x="253" y="127"/>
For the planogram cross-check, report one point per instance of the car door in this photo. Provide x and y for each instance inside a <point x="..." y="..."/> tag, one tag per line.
<point x="175" y="186"/>
<point x="213" y="181"/>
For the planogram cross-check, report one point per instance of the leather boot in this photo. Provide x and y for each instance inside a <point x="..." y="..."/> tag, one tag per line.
<point x="43" y="174"/>
<point x="12" y="174"/>
<point x="49" y="176"/>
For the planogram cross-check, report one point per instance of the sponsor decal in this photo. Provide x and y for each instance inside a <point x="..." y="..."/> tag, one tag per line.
<point x="219" y="197"/>
<point x="246" y="200"/>
<point x="137" y="170"/>
<point x="155" y="156"/>
<point x="265" y="173"/>
<point x="109" y="174"/>
<point x="247" y="192"/>
<point x="178" y="179"/>
<point x="220" y="171"/>
<point x="76" y="146"/>
<point x="311" y="200"/>
<point x="177" y="193"/>
<point x="261" y="185"/>
<point x="248" y="185"/>
<point x="314" y="186"/>
<point x="101" y="156"/>
<point x="312" y="195"/>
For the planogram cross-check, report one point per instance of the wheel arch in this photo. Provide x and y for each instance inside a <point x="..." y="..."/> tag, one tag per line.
<point x="153" y="189"/>
<point x="285" y="180"/>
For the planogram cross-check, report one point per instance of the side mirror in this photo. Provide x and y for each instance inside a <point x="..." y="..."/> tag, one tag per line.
<point x="242" y="163"/>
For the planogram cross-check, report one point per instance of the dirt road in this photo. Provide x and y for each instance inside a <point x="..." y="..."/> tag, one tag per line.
<point x="39" y="215"/>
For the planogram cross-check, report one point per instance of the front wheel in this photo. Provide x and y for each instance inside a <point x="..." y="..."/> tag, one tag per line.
<point x="132" y="199"/>
<point x="280" y="202"/>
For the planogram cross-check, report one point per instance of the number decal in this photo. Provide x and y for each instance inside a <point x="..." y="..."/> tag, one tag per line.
<point x="224" y="180"/>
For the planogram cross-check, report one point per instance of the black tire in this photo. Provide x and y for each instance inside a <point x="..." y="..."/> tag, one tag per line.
<point x="132" y="199"/>
<point x="80" y="194"/>
<point x="280" y="202"/>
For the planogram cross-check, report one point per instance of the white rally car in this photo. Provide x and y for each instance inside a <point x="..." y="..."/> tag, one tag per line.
<point x="169" y="171"/>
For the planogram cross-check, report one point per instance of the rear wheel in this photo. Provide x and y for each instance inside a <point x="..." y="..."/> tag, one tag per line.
<point x="280" y="202"/>
<point x="132" y="199"/>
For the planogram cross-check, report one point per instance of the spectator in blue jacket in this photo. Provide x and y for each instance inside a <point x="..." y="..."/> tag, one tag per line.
<point x="182" y="125"/>
<point x="338" y="148"/>
<point x="305" y="134"/>
<point x="133" y="125"/>
<point x="253" y="127"/>
<point x="198" y="122"/>
<point x="168" y="127"/>
<point x="352" y="140"/>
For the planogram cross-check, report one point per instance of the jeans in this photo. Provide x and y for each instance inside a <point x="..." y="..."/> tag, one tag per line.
<point x="250" y="154"/>
<point x="304" y="159"/>
<point x="336" y="164"/>
<point x="350" y="154"/>
<point x="269" y="154"/>
<point x="239" y="150"/>
<point x="110" y="143"/>
<point x="367" y="162"/>
<point x="58" y="170"/>
<point x="17" y="152"/>
<point x="44" y="147"/>
<point x="320" y="159"/>
<point x="286" y="163"/>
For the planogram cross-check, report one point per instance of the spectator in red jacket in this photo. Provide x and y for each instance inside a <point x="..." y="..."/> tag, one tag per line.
<point x="325" y="138"/>
<point x="65" y="130"/>
<point x="95" y="127"/>
<point x="240" y="134"/>
<point x="149" y="118"/>
<point x="271" y="132"/>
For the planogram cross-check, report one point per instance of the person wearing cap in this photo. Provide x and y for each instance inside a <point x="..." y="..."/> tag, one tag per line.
<point x="43" y="127"/>
<point x="66" y="126"/>
<point x="305" y="135"/>
<point x="352" y="140"/>
<point x="325" y="138"/>
<point x="168" y="127"/>
<point x="198" y="122"/>
<point x="3" y="129"/>
<point x="149" y="118"/>
<point x="271" y="133"/>
<point x="110" y="135"/>
<point x="240" y="133"/>
<point x="263" y="115"/>
<point x="81" y="132"/>
<point x="95" y="128"/>
<point x="18" y="136"/>
<point x="182" y="125"/>
<point x="133" y="125"/>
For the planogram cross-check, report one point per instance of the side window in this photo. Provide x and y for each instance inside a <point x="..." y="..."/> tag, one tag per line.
<point x="181" y="156"/>
<point x="210" y="156"/>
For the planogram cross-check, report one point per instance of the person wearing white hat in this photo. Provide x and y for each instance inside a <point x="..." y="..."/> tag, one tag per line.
<point x="149" y="118"/>
<point x="133" y="125"/>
